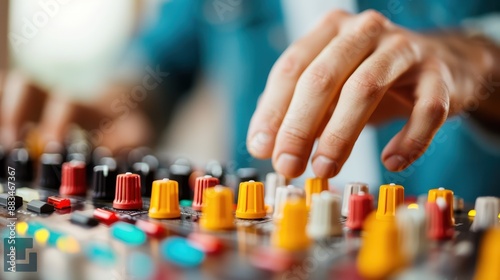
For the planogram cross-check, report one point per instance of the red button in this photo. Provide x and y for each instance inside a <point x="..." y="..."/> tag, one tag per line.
<point x="128" y="192"/>
<point x="105" y="216"/>
<point x="73" y="180"/>
<point x="59" y="202"/>
<point x="360" y="205"/>
<point x="151" y="229"/>
<point x="207" y="243"/>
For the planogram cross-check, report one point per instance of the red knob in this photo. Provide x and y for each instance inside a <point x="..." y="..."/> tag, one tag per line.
<point x="201" y="184"/>
<point x="440" y="225"/>
<point x="73" y="180"/>
<point x="360" y="205"/>
<point x="128" y="192"/>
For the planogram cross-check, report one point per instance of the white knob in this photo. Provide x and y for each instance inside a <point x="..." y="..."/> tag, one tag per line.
<point x="324" y="219"/>
<point x="281" y="195"/>
<point x="273" y="181"/>
<point x="412" y="226"/>
<point x="487" y="208"/>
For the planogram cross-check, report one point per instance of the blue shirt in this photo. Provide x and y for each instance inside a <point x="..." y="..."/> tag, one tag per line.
<point x="237" y="43"/>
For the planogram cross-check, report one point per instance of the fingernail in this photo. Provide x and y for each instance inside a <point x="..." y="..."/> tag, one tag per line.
<point x="260" y="142"/>
<point x="288" y="165"/>
<point x="324" y="167"/>
<point x="395" y="163"/>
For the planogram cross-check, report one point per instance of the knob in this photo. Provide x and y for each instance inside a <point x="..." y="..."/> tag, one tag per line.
<point x="325" y="216"/>
<point x="128" y="192"/>
<point x="412" y="225"/>
<point x="360" y="206"/>
<point x="290" y="233"/>
<point x="201" y="184"/>
<point x="440" y="226"/>
<point x="180" y="171"/>
<point x="104" y="183"/>
<point x="314" y="185"/>
<point x="50" y="171"/>
<point x="251" y="201"/>
<point x="217" y="211"/>
<point x="164" y="200"/>
<point x="73" y="178"/>
<point x="447" y="195"/>
<point x="487" y="267"/>
<point x="351" y="188"/>
<point x="380" y="254"/>
<point x="216" y="170"/>
<point x="273" y="181"/>
<point x="389" y="198"/>
<point x="281" y="194"/>
<point x="147" y="174"/>
<point x="20" y="160"/>
<point x="487" y="208"/>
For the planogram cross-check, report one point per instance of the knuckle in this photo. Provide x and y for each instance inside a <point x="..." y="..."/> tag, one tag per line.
<point x="290" y="65"/>
<point x="401" y="41"/>
<point x="294" y="134"/>
<point x="317" y="79"/>
<point x="334" y="16"/>
<point x="274" y="119"/>
<point x="366" y="85"/>
<point x="416" y="145"/>
<point x="371" y="22"/>
<point x="334" y="140"/>
<point x="435" y="107"/>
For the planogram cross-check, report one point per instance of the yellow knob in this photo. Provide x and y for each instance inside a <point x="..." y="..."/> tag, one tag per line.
<point x="447" y="195"/>
<point x="217" y="210"/>
<point x="164" y="200"/>
<point x="290" y="233"/>
<point x="380" y="254"/>
<point x="314" y="185"/>
<point x="251" y="201"/>
<point x="489" y="254"/>
<point x="389" y="198"/>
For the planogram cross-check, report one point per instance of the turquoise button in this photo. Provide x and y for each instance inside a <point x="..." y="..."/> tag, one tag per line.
<point x="178" y="251"/>
<point x="33" y="227"/>
<point x="54" y="235"/>
<point x="99" y="253"/>
<point x="140" y="266"/>
<point x="186" y="203"/>
<point x="128" y="234"/>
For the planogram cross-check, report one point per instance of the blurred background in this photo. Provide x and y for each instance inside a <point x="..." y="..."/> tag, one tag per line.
<point x="182" y="79"/>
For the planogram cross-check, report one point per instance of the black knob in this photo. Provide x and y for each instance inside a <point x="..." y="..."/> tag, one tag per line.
<point x="50" y="171"/>
<point x="148" y="175"/>
<point x="216" y="170"/>
<point x="104" y="183"/>
<point x="20" y="160"/>
<point x="180" y="171"/>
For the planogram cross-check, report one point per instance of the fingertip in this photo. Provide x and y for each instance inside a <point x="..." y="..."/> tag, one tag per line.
<point x="325" y="167"/>
<point x="395" y="163"/>
<point x="290" y="166"/>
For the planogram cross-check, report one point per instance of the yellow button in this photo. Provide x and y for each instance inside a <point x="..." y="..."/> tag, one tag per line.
<point x="380" y="254"/>
<point x="290" y="233"/>
<point x="251" y="201"/>
<point x="447" y="195"/>
<point x="389" y="198"/>
<point x="164" y="200"/>
<point x="489" y="254"/>
<point x="217" y="210"/>
<point x="314" y="185"/>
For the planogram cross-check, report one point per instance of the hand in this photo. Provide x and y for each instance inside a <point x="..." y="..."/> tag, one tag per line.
<point x="352" y="70"/>
<point x="25" y="107"/>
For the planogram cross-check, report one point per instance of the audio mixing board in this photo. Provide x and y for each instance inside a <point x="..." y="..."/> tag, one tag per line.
<point x="75" y="214"/>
